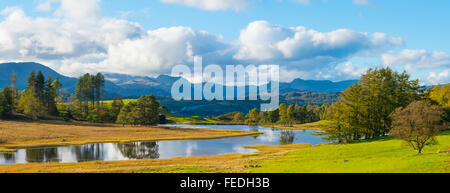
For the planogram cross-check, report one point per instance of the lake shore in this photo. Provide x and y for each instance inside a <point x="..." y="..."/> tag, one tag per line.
<point x="366" y="156"/>
<point x="226" y="163"/>
<point x="16" y="134"/>
<point x="317" y="126"/>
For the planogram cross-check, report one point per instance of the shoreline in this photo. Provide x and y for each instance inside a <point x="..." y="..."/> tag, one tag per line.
<point x="122" y="134"/>
<point x="316" y="126"/>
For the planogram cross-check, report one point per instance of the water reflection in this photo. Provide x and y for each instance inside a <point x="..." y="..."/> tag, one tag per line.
<point x="89" y="152"/>
<point x="42" y="155"/>
<point x="162" y="149"/>
<point x="8" y="157"/>
<point x="139" y="150"/>
<point x="287" y="137"/>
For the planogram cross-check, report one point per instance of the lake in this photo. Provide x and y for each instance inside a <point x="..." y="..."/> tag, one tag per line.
<point x="162" y="149"/>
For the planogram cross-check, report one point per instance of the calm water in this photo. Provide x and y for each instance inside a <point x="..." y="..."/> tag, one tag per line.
<point x="162" y="149"/>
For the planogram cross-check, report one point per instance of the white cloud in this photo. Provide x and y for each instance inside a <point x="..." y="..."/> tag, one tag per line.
<point x="361" y="2"/>
<point x="56" y="39"/>
<point x="414" y="60"/>
<point x="350" y="69"/>
<point x="45" y="5"/>
<point x="159" y="50"/>
<point x="264" y="42"/>
<point x="78" y="39"/>
<point x="73" y="45"/>
<point x="439" y="78"/>
<point x="79" y="9"/>
<point x="213" y="5"/>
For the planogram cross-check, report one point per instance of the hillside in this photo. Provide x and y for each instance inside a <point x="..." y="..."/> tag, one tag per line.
<point x="132" y="86"/>
<point x="299" y="91"/>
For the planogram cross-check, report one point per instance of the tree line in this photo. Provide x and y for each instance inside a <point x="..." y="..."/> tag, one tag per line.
<point x="385" y="102"/>
<point x="87" y="104"/>
<point x="37" y="100"/>
<point x="286" y="115"/>
<point x="44" y="97"/>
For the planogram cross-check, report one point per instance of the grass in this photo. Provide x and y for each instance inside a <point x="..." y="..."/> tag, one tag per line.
<point x="378" y="156"/>
<point x="383" y="155"/>
<point x="227" y="163"/>
<point x="46" y="133"/>
<point x="320" y="125"/>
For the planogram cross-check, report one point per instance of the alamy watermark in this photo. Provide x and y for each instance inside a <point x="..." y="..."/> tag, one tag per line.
<point x="237" y="83"/>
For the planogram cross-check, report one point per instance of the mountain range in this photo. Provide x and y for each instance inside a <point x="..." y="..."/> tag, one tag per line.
<point x="129" y="86"/>
<point x="298" y="91"/>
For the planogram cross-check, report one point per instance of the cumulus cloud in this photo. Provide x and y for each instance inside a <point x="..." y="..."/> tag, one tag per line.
<point x="439" y="78"/>
<point x="79" y="9"/>
<point x="78" y="39"/>
<point x="262" y="41"/>
<point x="45" y="5"/>
<point x="159" y="50"/>
<point x="59" y="38"/>
<point x="213" y="5"/>
<point x="414" y="60"/>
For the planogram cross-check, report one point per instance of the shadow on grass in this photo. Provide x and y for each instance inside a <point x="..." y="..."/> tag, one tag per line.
<point x="55" y="121"/>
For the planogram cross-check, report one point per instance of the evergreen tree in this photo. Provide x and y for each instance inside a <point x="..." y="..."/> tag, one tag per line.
<point x="6" y="102"/>
<point x="40" y="86"/>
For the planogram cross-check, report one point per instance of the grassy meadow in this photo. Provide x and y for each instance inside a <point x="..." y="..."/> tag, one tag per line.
<point x="377" y="156"/>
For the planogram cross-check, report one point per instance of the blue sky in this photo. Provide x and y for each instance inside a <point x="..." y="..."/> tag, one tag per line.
<point x="422" y="26"/>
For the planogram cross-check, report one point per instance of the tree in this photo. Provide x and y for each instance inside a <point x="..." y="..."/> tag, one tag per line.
<point x="14" y="88"/>
<point x="441" y="95"/>
<point x="116" y="106"/>
<point x="99" y="84"/>
<point x="31" y="81"/>
<point x="126" y="115"/>
<point x="365" y="107"/>
<point x="148" y="109"/>
<point x="6" y="102"/>
<point x="39" y="86"/>
<point x="50" y="93"/>
<point x="30" y="103"/>
<point x="90" y="92"/>
<point x="145" y="111"/>
<point x="253" y="117"/>
<point x="417" y="124"/>
<point x="238" y="117"/>
<point x="286" y="114"/>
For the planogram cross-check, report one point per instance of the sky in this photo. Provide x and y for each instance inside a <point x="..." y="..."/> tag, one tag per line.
<point x="309" y="39"/>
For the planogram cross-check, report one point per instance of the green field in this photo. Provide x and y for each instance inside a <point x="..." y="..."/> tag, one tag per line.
<point x="378" y="156"/>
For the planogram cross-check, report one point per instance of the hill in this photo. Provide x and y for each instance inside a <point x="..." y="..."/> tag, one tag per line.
<point x="299" y="91"/>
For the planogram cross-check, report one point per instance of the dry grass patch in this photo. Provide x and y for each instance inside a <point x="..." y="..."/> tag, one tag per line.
<point x="199" y="164"/>
<point x="227" y="163"/>
<point x="24" y="134"/>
